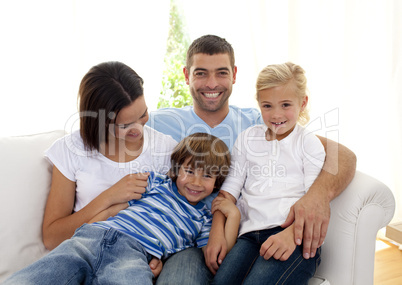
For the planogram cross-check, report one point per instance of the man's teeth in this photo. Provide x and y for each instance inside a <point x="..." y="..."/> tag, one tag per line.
<point x="212" y="95"/>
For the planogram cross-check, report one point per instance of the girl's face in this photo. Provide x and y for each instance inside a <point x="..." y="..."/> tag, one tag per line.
<point x="194" y="184"/>
<point x="280" y="109"/>
<point x="131" y="120"/>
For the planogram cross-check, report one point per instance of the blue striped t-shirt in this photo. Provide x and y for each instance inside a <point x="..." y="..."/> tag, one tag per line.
<point x="162" y="221"/>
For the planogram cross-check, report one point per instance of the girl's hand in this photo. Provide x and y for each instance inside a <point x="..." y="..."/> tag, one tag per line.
<point x="279" y="246"/>
<point x="225" y="205"/>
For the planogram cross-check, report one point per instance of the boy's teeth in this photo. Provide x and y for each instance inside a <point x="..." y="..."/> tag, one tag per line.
<point x="278" y="123"/>
<point x="211" y="95"/>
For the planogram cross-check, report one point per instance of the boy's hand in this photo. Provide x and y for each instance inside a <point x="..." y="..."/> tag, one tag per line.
<point x="216" y="249"/>
<point x="279" y="246"/>
<point x="215" y="252"/>
<point x="156" y="266"/>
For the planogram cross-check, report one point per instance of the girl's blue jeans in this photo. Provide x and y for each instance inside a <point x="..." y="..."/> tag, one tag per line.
<point x="244" y="265"/>
<point x="93" y="256"/>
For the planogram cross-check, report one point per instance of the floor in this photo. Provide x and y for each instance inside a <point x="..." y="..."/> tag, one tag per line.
<point x="388" y="263"/>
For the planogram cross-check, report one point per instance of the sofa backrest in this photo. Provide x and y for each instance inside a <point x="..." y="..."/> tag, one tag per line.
<point x="25" y="177"/>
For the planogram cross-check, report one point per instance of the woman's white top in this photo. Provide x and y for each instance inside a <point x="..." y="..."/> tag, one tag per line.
<point x="268" y="177"/>
<point x="94" y="173"/>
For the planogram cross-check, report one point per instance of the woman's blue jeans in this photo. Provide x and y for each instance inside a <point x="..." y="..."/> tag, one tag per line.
<point x="93" y="256"/>
<point x="244" y="265"/>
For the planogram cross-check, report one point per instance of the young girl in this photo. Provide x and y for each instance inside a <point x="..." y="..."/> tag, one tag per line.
<point x="93" y="167"/>
<point x="168" y="218"/>
<point x="273" y="165"/>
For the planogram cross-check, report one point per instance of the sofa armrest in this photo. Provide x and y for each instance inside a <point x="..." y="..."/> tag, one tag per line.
<point x="357" y="214"/>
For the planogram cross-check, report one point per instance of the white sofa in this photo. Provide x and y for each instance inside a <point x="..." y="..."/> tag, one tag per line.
<point x="347" y="255"/>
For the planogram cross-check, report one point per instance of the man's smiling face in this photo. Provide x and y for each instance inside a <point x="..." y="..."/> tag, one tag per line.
<point x="210" y="79"/>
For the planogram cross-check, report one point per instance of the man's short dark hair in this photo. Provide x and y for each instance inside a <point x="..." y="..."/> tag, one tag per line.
<point x="210" y="44"/>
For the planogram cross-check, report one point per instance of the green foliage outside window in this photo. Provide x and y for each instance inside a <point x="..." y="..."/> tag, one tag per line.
<point x="175" y="92"/>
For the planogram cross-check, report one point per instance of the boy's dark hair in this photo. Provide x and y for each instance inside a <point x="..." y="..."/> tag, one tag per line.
<point x="207" y="152"/>
<point x="106" y="89"/>
<point x="209" y="44"/>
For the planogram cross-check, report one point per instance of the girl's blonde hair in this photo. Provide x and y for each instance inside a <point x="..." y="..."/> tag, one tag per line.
<point x="281" y="74"/>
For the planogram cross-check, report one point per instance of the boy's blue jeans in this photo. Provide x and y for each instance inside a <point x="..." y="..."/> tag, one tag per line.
<point x="244" y="265"/>
<point x="93" y="256"/>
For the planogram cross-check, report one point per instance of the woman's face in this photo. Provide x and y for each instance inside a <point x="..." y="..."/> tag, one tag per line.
<point x="130" y="121"/>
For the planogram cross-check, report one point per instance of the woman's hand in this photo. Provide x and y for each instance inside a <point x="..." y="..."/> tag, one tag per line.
<point x="130" y="187"/>
<point x="109" y="212"/>
<point x="60" y="221"/>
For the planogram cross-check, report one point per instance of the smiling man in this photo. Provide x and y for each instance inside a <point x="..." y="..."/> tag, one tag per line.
<point x="210" y="72"/>
<point x="210" y="78"/>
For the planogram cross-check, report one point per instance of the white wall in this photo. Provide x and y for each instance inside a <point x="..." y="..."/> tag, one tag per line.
<point x="48" y="46"/>
<point x="350" y="49"/>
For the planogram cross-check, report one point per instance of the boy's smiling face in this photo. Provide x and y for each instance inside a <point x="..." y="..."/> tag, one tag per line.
<point x="194" y="184"/>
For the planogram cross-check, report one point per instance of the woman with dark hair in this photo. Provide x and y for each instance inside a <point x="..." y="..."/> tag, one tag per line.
<point x="101" y="167"/>
<point x="170" y="216"/>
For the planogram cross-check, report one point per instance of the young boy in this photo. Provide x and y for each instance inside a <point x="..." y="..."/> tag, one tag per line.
<point x="168" y="218"/>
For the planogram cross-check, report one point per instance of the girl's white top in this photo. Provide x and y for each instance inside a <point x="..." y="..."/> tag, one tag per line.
<point x="268" y="177"/>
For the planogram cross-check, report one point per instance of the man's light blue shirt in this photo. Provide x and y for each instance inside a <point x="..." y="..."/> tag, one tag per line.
<point x="181" y="122"/>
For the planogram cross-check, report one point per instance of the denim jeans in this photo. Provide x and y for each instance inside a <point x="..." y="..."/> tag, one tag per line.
<point x="93" y="256"/>
<point x="186" y="267"/>
<point x="244" y="265"/>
